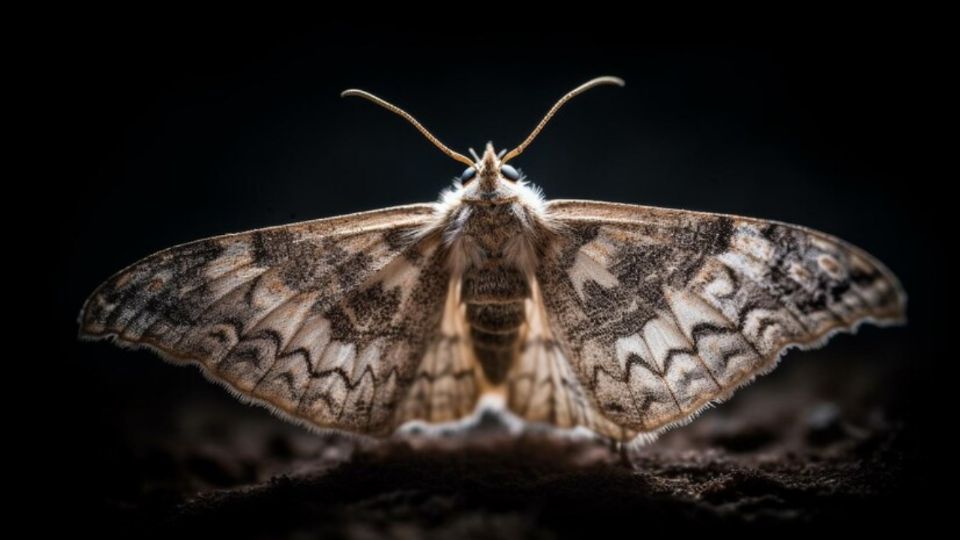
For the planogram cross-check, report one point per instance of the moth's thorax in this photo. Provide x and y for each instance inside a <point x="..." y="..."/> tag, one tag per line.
<point x="491" y="227"/>
<point x="478" y="224"/>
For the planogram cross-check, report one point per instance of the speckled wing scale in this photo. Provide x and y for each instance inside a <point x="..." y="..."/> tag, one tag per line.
<point x="336" y="323"/>
<point x="623" y="320"/>
<point x="661" y="312"/>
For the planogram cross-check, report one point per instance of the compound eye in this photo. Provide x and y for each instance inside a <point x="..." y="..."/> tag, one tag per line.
<point x="468" y="174"/>
<point x="509" y="172"/>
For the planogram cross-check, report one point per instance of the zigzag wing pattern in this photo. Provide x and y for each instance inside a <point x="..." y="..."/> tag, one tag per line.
<point x="661" y="312"/>
<point x="334" y="323"/>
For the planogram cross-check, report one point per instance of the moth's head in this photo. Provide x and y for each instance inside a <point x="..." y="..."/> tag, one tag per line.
<point x="488" y="177"/>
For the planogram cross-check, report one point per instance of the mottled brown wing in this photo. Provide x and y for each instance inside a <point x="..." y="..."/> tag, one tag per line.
<point x="333" y="323"/>
<point x="661" y="312"/>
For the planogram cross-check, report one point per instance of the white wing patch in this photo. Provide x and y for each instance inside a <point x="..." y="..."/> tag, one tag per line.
<point x="586" y="268"/>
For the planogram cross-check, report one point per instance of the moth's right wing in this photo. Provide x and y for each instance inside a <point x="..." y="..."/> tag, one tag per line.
<point x="648" y="315"/>
<point x="335" y="323"/>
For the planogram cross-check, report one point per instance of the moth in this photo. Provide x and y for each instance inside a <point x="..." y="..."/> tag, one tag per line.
<point x="624" y="320"/>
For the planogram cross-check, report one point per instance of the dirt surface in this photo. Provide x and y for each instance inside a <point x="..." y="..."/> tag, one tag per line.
<point x="814" y="447"/>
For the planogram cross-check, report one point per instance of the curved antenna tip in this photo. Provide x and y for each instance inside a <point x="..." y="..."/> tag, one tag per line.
<point x="409" y="118"/>
<point x="592" y="83"/>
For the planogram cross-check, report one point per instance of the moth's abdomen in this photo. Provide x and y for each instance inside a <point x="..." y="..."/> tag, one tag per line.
<point x="494" y="295"/>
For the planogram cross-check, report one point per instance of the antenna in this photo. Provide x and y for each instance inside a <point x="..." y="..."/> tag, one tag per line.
<point x="553" y="110"/>
<point x="409" y="118"/>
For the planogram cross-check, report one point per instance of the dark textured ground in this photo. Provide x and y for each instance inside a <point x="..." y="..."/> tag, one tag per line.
<point x="819" y="444"/>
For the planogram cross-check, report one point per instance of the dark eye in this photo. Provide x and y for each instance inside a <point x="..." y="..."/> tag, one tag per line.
<point x="469" y="173"/>
<point x="509" y="172"/>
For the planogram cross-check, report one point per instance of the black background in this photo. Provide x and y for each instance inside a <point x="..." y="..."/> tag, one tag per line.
<point x="175" y="131"/>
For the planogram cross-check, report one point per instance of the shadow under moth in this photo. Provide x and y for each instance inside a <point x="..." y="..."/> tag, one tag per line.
<point x="621" y="319"/>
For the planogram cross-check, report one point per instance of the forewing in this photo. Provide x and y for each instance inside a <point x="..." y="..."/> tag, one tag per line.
<point x="326" y="322"/>
<point x="661" y="312"/>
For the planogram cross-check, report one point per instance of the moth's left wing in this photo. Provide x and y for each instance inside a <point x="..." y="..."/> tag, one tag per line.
<point x="661" y="312"/>
<point x="339" y="323"/>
